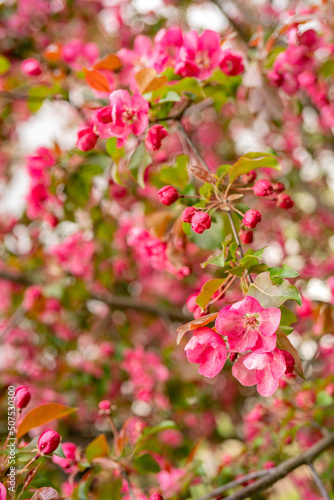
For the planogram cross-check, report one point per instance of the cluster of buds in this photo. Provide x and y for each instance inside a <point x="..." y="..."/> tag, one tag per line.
<point x="265" y="188"/>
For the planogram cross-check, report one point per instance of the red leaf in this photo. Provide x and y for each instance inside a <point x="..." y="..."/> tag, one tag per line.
<point x="96" y="80"/>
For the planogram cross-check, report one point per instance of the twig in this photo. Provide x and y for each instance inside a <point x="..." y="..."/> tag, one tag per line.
<point x="114" y="301"/>
<point x="318" y="482"/>
<point x="279" y="472"/>
<point x="233" y="484"/>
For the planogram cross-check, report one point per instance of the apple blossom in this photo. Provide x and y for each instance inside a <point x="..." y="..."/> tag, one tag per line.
<point x="22" y="396"/>
<point x="168" y="195"/>
<point x="48" y="442"/>
<point x="207" y="349"/>
<point x="200" y="222"/>
<point x="248" y="325"/>
<point x="262" y="187"/>
<point x="251" y="218"/>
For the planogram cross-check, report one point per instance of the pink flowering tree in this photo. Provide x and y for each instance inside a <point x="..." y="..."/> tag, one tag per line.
<point x="166" y="239"/>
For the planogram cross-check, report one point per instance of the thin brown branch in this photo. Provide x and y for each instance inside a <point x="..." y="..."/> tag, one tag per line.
<point x="318" y="482"/>
<point x="277" y="473"/>
<point x="114" y="301"/>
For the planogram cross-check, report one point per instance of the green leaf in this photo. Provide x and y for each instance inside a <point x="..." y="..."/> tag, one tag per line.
<point x="97" y="448"/>
<point x="284" y="272"/>
<point x="324" y="399"/>
<point x="176" y="175"/>
<point x="4" y="65"/>
<point x="59" y="451"/>
<point x="206" y="190"/>
<point x="222" y="171"/>
<point x="139" y="160"/>
<point x="37" y="96"/>
<point x="216" y="260"/>
<point x="287" y="316"/>
<point x="145" y="464"/>
<point x="208" y="289"/>
<point x="251" y="161"/>
<point x="170" y="97"/>
<point x="273" y="295"/>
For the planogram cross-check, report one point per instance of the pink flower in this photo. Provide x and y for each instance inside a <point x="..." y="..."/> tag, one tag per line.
<point x="246" y="237"/>
<point x="200" y="222"/>
<point x="193" y="307"/>
<point x="262" y="187"/>
<point x="167" y="44"/>
<point x="31" y="67"/>
<point x="168" y="195"/>
<point x="67" y="463"/>
<point x="86" y="139"/>
<point x="284" y="201"/>
<point x="3" y="492"/>
<point x="231" y="63"/>
<point x="154" y="137"/>
<point x="199" y="55"/>
<point x="249" y="326"/>
<point x="251" y="218"/>
<point x="48" y="442"/>
<point x="39" y="162"/>
<point x="208" y="349"/>
<point x="22" y="396"/>
<point x="77" y="54"/>
<point x="128" y="114"/>
<point x="188" y="214"/>
<point x="264" y="370"/>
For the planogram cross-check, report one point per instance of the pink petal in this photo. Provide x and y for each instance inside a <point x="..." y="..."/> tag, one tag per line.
<point x="240" y="372"/>
<point x="269" y="320"/>
<point x="266" y="384"/>
<point x="265" y="344"/>
<point x="243" y="342"/>
<point x="278" y="365"/>
<point x="256" y="361"/>
<point x="212" y="362"/>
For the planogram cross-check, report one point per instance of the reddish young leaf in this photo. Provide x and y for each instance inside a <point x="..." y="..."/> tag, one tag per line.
<point x="196" y="323"/>
<point x="110" y="63"/>
<point x="96" y="80"/>
<point x="148" y="80"/>
<point x="42" y="415"/>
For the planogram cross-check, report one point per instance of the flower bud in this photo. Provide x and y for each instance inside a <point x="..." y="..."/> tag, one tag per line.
<point x="193" y="307"/>
<point x="156" y="496"/>
<point x="231" y="63"/>
<point x="233" y="356"/>
<point x="48" y="442"/>
<point x="188" y="214"/>
<point x="251" y="218"/>
<point x="278" y="187"/>
<point x="86" y="139"/>
<point x="249" y="177"/>
<point x="104" y="114"/>
<point x="168" y="195"/>
<point x="155" y="136"/>
<point x="105" y="405"/>
<point x="284" y="201"/>
<point x="31" y="67"/>
<point x="289" y="361"/>
<point x="22" y="396"/>
<point x="200" y="222"/>
<point x="246" y="237"/>
<point x="263" y="187"/>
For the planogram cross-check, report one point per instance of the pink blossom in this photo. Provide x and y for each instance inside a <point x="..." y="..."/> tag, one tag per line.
<point x="86" y="139"/>
<point x="167" y="44"/>
<point x="39" y="162"/>
<point x="249" y="326"/>
<point x="193" y="307"/>
<point x="246" y="237"/>
<point x="128" y="114"/>
<point x="169" y="481"/>
<point x="284" y="201"/>
<point x="78" y="54"/>
<point x="31" y="67"/>
<point x="155" y="136"/>
<point x="168" y="195"/>
<point x="208" y="349"/>
<point x="199" y="55"/>
<point x="261" y="369"/>
<point x="251" y="218"/>
<point x="231" y="63"/>
<point x="188" y="214"/>
<point x="75" y="255"/>
<point x="200" y="222"/>
<point x="69" y="461"/>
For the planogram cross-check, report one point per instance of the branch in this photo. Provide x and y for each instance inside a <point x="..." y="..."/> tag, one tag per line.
<point x="114" y="301"/>
<point x="275" y="474"/>
<point x="318" y="482"/>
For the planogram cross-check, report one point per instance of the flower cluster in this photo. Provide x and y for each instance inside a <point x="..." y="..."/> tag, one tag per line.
<point x="247" y="327"/>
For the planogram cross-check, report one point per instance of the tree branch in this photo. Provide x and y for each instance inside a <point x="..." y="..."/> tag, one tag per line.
<point x="318" y="482"/>
<point x="114" y="301"/>
<point x="275" y="474"/>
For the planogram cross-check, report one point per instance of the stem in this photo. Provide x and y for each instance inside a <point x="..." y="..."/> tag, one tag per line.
<point x="115" y="433"/>
<point x="27" y="465"/>
<point x="223" y="290"/>
<point x="318" y="482"/>
<point x="277" y="473"/>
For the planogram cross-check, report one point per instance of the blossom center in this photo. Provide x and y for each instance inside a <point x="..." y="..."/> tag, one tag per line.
<point x="251" y="320"/>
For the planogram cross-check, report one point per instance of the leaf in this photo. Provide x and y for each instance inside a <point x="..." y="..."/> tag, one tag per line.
<point x="273" y="295"/>
<point x="195" y="323"/>
<point x="4" y="65"/>
<point x="29" y="477"/>
<point x="97" y="448"/>
<point x="208" y="289"/>
<point x="46" y="493"/>
<point x="145" y="464"/>
<point x="284" y="344"/>
<point x="287" y="316"/>
<point x="42" y="415"/>
<point x="59" y="451"/>
<point x="139" y="160"/>
<point x="202" y="174"/>
<point x="148" y="80"/>
<point x="216" y="260"/>
<point x="176" y="175"/>
<point x="110" y="63"/>
<point x="96" y="80"/>
<point x="284" y="272"/>
<point x="251" y="161"/>
<point x="36" y="96"/>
